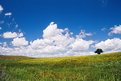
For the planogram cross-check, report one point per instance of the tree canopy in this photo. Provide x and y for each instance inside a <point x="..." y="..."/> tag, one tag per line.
<point x="99" y="51"/>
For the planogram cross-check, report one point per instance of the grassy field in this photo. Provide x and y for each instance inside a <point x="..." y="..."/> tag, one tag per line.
<point x="105" y="67"/>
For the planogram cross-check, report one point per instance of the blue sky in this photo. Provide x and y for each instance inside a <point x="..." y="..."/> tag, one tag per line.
<point x="33" y="16"/>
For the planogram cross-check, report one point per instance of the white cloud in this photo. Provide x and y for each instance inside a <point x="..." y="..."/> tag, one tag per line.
<point x="52" y="31"/>
<point x="115" y="30"/>
<point x="81" y="45"/>
<point x="8" y="14"/>
<point x="55" y="42"/>
<point x="83" y="34"/>
<point x="1" y="8"/>
<point x="19" y="41"/>
<point x="20" y="35"/>
<point x="59" y="42"/>
<point x="110" y="45"/>
<point x="12" y="35"/>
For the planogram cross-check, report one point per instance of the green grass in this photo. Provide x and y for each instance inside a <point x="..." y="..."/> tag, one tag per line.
<point x="105" y="67"/>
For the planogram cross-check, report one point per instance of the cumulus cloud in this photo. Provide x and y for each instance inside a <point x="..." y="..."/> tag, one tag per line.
<point x="52" y="31"/>
<point x="110" y="45"/>
<point x="1" y="8"/>
<point x="20" y="34"/>
<point x="81" y="45"/>
<point x="115" y="30"/>
<point x="58" y="41"/>
<point x="8" y="14"/>
<point x="54" y="42"/>
<point x="19" y="41"/>
<point x="12" y="35"/>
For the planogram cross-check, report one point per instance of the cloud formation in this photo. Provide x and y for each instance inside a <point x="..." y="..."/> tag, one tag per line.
<point x="1" y="8"/>
<point x="12" y="35"/>
<point x="83" y="34"/>
<point x="8" y="14"/>
<point x="58" y="42"/>
<point x="19" y="41"/>
<point x="55" y="42"/>
<point x="115" y="30"/>
<point x="81" y="45"/>
<point x="110" y="45"/>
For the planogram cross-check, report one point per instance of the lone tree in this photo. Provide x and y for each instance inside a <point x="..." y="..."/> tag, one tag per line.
<point x="99" y="51"/>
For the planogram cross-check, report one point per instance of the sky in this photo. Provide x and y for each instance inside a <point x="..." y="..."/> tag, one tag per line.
<point x="53" y="28"/>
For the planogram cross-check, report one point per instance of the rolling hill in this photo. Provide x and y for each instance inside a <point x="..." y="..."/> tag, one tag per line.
<point x="105" y="67"/>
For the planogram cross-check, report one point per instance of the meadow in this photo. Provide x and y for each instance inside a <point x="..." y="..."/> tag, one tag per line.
<point x="104" y="67"/>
